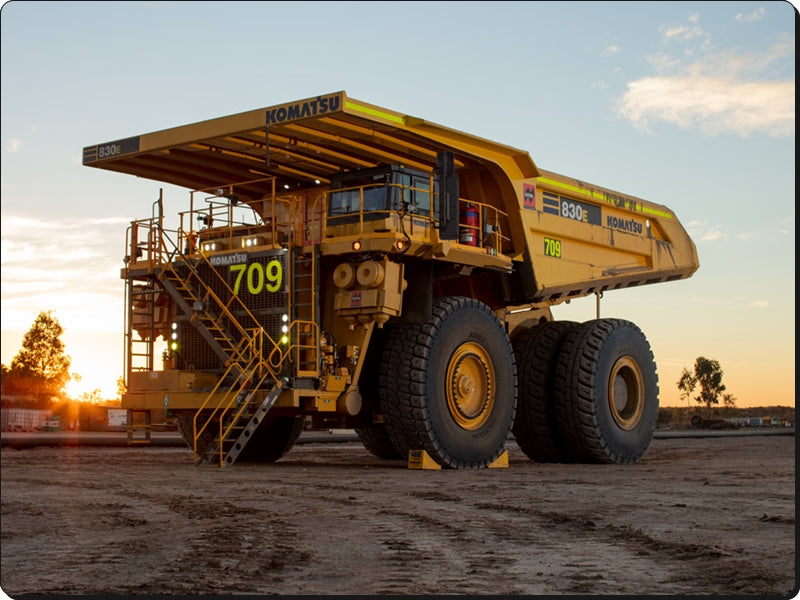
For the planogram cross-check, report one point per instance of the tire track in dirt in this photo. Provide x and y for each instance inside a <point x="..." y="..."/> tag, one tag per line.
<point x="731" y="570"/>
<point x="699" y="516"/>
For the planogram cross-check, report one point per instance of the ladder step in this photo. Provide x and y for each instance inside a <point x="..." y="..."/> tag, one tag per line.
<point x="253" y="424"/>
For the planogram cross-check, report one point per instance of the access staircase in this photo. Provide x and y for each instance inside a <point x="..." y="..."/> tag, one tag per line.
<point x="254" y="362"/>
<point x="234" y="423"/>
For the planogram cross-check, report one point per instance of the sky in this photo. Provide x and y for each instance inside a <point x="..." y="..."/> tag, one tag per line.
<point x="686" y="104"/>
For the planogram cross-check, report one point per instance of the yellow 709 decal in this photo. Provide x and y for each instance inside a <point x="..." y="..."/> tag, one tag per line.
<point x="258" y="277"/>
<point x="552" y="247"/>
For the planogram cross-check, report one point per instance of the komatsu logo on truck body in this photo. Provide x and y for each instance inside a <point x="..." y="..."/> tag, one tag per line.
<point x="307" y="108"/>
<point x="223" y="260"/>
<point x="629" y="225"/>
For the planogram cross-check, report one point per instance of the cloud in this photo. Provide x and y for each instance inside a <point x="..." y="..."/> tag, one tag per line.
<point x="683" y="32"/>
<point x="713" y="234"/>
<point x="71" y="266"/>
<point x="716" y="95"/>
<point x="758" y="304"/>
<point x="719" y="92"/>
<point x="611" y="50"/>
<point x="704" y="232"/>
<point x="712" y="105"/>
<point x="753" y="16"/>
<point x="786" y="226"/>
<point x="15" y="144"/>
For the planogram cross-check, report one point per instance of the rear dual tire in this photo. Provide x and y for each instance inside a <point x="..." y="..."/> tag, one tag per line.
<point x="606" y="392"/>
<point x="587" y="392"/>
<point x="535" y="427"/>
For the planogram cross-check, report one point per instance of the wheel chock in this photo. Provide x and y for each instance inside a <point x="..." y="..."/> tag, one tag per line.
<point x="501" y="462"/>
<point x="419" y="459"/>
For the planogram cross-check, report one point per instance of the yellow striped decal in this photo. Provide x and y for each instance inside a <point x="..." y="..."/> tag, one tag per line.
<point x="375" y="113"/>
<point x="598" y="196"/>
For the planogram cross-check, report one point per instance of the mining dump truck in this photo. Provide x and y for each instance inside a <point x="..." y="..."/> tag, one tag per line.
<point x="342" y="265"/>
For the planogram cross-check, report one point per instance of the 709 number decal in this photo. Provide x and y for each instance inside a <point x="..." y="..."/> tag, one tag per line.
<point x="552" y="247"/>
<point x="269" y="276"/>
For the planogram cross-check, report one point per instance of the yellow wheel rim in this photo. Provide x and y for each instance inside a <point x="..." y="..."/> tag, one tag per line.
<point x="470" y="386"/>
<point x="626" y="393"/>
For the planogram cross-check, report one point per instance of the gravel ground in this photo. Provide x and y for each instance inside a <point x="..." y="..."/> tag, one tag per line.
<point x="711" y="515"/>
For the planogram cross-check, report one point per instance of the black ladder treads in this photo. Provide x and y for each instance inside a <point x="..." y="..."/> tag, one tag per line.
<point x="252" y="424"/>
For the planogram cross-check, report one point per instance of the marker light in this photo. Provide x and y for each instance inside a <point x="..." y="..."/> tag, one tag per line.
<point x="357" y="245"/>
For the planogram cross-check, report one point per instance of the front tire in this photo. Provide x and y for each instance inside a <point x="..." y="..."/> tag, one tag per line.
<point x="270" y="442"/>
<point x="606" y="392"/>
<point x="273" y="439"/>
<point x="448" y="386"/>
<point x="377" y="441"/>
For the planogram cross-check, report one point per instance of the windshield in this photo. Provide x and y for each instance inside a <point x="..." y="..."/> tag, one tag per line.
<point x="379" y="190"/>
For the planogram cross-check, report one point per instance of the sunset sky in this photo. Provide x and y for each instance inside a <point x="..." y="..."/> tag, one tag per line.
<point x="686" y="104"/>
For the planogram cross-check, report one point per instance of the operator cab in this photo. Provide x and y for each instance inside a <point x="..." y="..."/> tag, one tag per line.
<point x="376" y="192"/>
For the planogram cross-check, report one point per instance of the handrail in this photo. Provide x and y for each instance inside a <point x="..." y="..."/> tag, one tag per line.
<point x="226" y="228"/>
<point x="157" y="248"/>
<point x="488" y="215"/>
<point x="237" y="377"/>
<point x="209" y="293"/>
<point x="331" y="219"/>
<point x="294" y="334"/>
<point x="244" y="383"/>
<point x="496" y="231"/>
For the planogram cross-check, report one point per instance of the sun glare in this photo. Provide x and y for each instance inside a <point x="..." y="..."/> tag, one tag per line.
<point x="91" y="389"/>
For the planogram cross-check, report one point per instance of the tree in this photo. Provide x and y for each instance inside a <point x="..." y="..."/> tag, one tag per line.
<point x="93" y="397"/>
<point x="708" y="376"/>
<point x="121" y="387"/>
<point x="686" y="385"/>
<point x="41" y="368"/>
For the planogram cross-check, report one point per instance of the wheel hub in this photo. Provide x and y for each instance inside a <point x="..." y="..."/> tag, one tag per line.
<point x="470" y="386"/>
<point x="626" y="393"/>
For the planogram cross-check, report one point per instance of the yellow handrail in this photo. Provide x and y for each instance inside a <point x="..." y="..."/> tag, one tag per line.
<point x="251" y="375"/>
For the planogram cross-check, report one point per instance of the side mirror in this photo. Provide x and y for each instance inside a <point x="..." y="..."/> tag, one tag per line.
<point x="447" y="199"/>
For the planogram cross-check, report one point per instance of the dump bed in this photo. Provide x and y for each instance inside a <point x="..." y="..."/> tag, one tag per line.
<point x="565" y="237"/>
<point x="586" y="239"/>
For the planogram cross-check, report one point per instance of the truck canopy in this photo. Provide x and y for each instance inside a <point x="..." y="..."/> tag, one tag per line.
<point x="573" y="238"/>
<point x="300" y="144"/>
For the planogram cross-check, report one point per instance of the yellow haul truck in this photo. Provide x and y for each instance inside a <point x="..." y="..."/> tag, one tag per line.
<point x="341" y="265"/>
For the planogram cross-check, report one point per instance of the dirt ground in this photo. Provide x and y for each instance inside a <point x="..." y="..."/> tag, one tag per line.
<point x="694" y="516"/>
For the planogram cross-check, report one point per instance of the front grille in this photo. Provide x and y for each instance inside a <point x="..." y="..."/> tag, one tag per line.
<point x="253" y="277"/>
